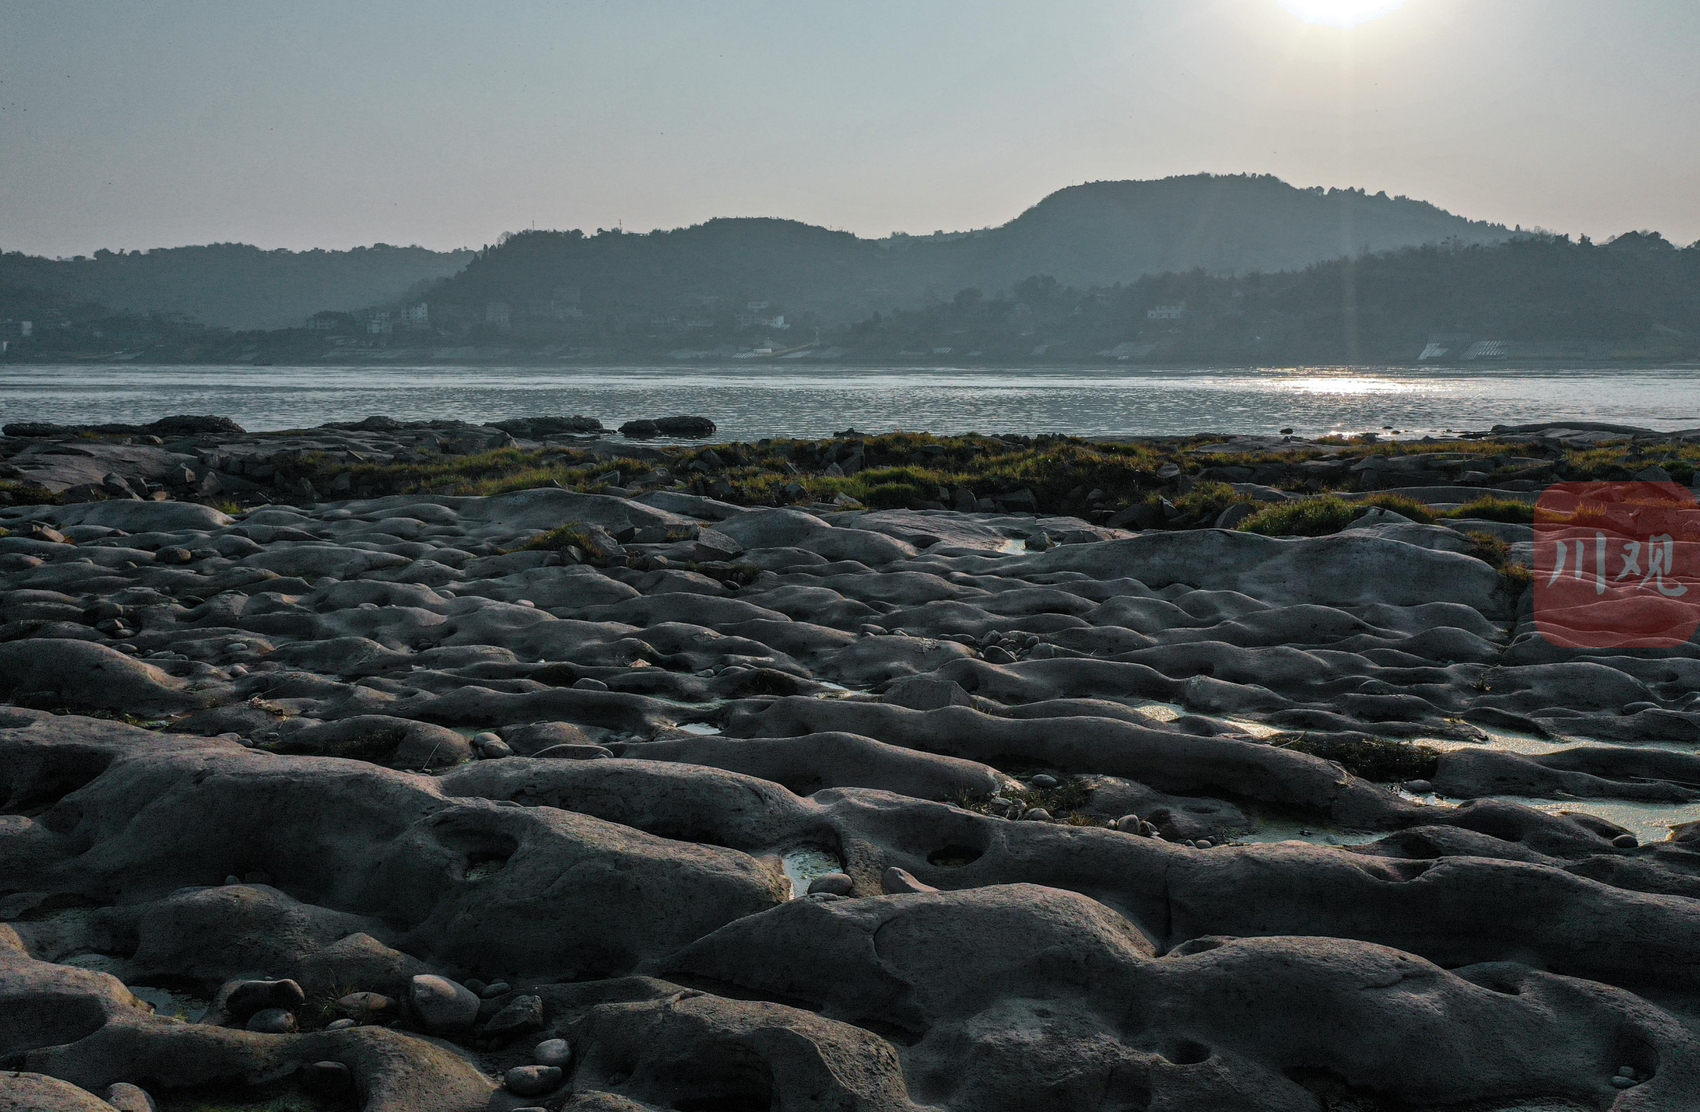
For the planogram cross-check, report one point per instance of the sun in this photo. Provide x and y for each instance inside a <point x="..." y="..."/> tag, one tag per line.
<point x="1340" y="13"/>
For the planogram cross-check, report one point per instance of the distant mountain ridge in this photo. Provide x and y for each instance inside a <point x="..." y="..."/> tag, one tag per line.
<point x="234" y="285"/>
<point x="1104" y="232"/>
<point x="1095" y="234"/>
<point x="1099" y="233"/>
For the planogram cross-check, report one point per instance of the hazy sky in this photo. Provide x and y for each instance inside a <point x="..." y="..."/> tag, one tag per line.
<point x="300" y="123"/>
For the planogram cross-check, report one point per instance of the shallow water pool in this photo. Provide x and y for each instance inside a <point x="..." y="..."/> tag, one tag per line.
<point x="804" y="864"/>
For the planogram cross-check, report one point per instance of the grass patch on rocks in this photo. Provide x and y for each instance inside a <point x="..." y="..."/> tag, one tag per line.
<point x="1513" y="576"/>
<point x="1205" y="502"/>
<point x="1488" y="548"/>
<point x="1370" y="758"/>
<point x="1066" y="802"/>
<point x="14" y="493"/>
<point x="1508" y="510"/>
<point x="1328" y="513"/>
<point x="571" y="533"/>
<point x="577" y="542"/>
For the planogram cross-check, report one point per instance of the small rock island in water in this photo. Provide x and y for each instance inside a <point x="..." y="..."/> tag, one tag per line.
<point x="439" y="766"/>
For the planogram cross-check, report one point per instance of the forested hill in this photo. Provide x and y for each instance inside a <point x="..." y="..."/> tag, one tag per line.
<point x="1094" y="234"/>
<point x="1536" y="297"/>
<point x="234" y="285"/>
<point x="1115" y="231"/>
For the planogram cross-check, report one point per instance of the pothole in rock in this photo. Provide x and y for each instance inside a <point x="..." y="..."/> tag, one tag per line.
<point x="953" y="856"/>
<point x="481" y="866"/>
<point x="99" y="963"/>
<point x="1270" y="830"/>
<point x="804" y="864"/>
<point x="172" y="1004"/>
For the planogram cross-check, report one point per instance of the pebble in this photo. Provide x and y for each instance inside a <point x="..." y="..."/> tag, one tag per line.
<point x="533" y="1081"/>
<point x="340" y="1024"/>
<point x="570" y="752"/>
<point x="1037" y="814"/>
<point x="1622" y="1082"/>
<point x="836" y="884"/>
<point x="997" y="655"/>
<point x="129" y="1098"/>
<point x="244" y="998"/>
<point x="1128" y="824"/>
<point x="441" y="1004"/>
<point x="327" y="1077"/>
<point x="1044" y="781"/>
<point x="552" y="1052"/>
<point x="493" y="989"/>
<point x="897" y="881"/>
<point x="524" y="1015"/>
<point x="1625" y="841"/>
<point x="1419" y="787"/>
<point x="367" y="1006"/>
<point x="271" y="1021"/>
<point x="587" y="683"/>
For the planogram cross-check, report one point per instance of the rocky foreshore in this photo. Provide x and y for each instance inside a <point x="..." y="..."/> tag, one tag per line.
<point x="443" y="766"/>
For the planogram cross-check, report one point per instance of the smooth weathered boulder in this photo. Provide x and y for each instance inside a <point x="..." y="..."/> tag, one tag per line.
<point x="442" y="1005"/>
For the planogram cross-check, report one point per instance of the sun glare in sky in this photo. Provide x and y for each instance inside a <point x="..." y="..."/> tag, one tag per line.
<point x="1339" y="13"/>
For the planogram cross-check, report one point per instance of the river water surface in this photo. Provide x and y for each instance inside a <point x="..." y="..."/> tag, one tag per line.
<point x="752" y="402"/>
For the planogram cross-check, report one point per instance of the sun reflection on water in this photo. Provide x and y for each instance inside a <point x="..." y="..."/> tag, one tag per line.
<point x="1354" y="386"/>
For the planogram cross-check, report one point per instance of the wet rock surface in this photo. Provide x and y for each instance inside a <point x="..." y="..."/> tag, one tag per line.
<point x="377" y="802"/>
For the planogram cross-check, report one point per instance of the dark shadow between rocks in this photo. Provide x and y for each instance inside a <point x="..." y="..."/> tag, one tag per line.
<point x="59" y="772"/>
<point x="236" y="1096"/>
<point x="954" y="856"/>
<point x="732" y="1079"/>
<point x="30" y="1021"/>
